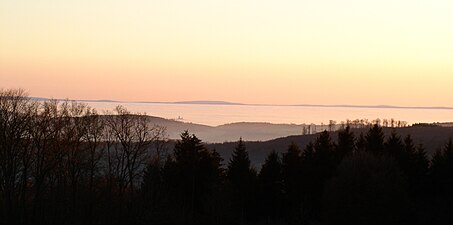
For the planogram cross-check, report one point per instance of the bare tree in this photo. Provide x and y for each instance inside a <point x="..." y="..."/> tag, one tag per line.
<point x="332" y="125"/>
<point x="74" y="166"/>
<point x="385" y="122"/>
<point x="47" y="152"/>
<point x="130" y="138"/>
<point x="15" y="116"/>
<point x="392" y="122"/>
<point x="93" y="131"/>
<point x="377" y="122"/>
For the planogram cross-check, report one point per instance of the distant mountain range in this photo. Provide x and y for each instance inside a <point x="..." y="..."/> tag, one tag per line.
<point x="207" y="102"/>
<point x="77" y="100"/>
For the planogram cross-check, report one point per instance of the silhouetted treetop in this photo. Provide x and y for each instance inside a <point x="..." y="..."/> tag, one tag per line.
<point x="346" y="142"/>
<point x="239" y="167"/>
<point x="374" y="140"/>
<point x="394" y="146"/>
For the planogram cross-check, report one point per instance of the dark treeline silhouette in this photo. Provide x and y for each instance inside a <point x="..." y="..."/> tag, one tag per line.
<point x="356" y="124"/>
<point x="63" y="163"/>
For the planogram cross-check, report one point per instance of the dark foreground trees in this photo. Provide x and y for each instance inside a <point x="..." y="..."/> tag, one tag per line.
<point x="240" y="183"/>
<point x="16" y="111"/>
<point x="63" y="163"/>
<point x="442" y="184"/>
<point x="185" y="189"/>
<point x="367" y="189"/>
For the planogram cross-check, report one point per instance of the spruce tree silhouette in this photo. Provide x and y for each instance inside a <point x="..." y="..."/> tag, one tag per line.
<point x="323" y="144"/>
<point x="152" y="192"/>
<point x="324" y="154"/>
<point x="442" y="181"/>
<point x="292" y="179"/>
<point x="306" y="211"/>
<point x="270" y="187"/>
<point x="346" y="143"/>
<point x="361" y="143"/>
<point x="419" y="162"/>
<point x="394" y="147"/>
<point x="415" y="167"/>
<point x="409" y="145"/>
<point x="308" y="153"/>
<point x="442" y="159"/>
<point x="197" y="172"/>
<point x="318" y="170"/>
<point x="374" y="140"/>
<point x="241" y="177"/>
<point x="415" y="164"/>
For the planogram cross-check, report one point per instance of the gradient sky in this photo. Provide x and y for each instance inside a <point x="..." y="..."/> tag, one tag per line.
<point x="395" y="52"/>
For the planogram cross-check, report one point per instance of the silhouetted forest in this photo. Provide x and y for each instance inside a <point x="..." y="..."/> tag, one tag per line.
<point x="63" y="163"/>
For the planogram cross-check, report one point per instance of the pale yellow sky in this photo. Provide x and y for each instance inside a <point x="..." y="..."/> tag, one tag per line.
<point x="396" y="52"/>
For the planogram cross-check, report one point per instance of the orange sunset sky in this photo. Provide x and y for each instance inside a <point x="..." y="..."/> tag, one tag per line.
<point x="395" y="52"/>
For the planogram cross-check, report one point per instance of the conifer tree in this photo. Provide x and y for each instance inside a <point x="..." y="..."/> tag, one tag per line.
<point x="323" y="156"/>
<point x="291" y="167"/>
<point x="318" y="170"/>
<point x="292" y="180"/>
<point x="271" y="171"/>
<point x="152" y="192"/>
<point x="442" y="162"/>
<point x="239" y="167"/>
<point x="308" y="153"/>
<point x="270" y="186"/>
<point x="241" y="177"/>
<point x="409" y="145"/>
<point x="361" y="143"/>
<point x="374" y="140"/>
<point x="442" y="182"/>
<point x="394" y="147"/>
<point x="417" y="163"/>
<point x="323" y="146"/>
<point x="421" y="162"/>
<point x="346" y="143"/>
<point x="151" y="183"/>
<point x="196" y="174"/>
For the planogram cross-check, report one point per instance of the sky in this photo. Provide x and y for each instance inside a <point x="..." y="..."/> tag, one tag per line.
<point x="360" y="52"/>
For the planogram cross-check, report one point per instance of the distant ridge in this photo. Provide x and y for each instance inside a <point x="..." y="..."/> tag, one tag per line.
<point x="193" y="103"/>
<point x="203" y="102"/>
<point x="376" y="106"/>
<point x="76" y="100"/>
<point x="208" y="103"/>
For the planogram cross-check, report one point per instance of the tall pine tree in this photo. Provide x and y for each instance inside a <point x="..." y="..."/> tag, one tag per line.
<point x="346" y="143"/>
<point x="241" y="178"/>
<point x="270" y="187"/>
<point x="374" y="140"/>
<point x="394" y="147"/>
<point x="442" y="183"/>
<point x="195" y="174"/>
<point x="292" y="180"/>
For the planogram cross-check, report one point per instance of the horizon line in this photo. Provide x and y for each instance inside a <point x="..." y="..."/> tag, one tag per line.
<point x="216" y="102"/>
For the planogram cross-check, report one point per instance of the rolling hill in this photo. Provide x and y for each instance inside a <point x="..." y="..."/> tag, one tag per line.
<point x="431" y="137"/>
